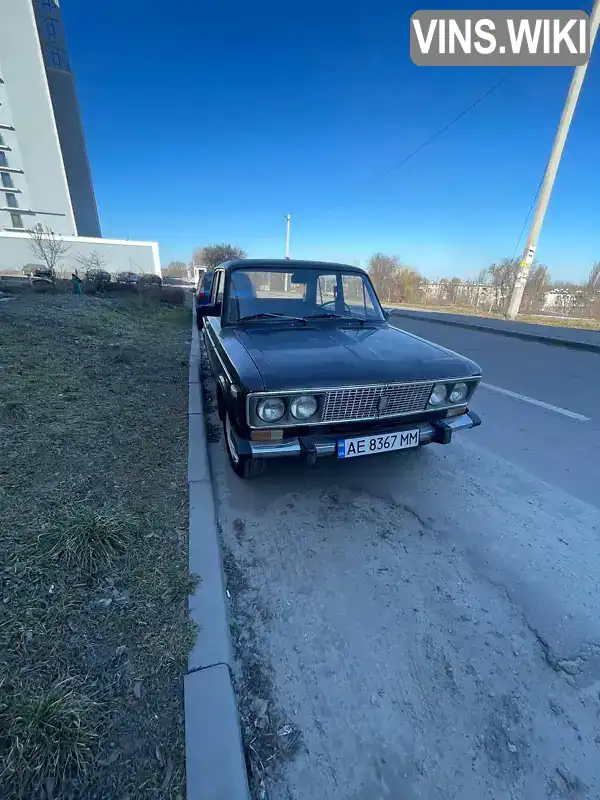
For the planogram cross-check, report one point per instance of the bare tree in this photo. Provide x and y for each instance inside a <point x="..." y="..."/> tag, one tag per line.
<point x="213" y="255"/>
<point x="93" y="262"/>
<point x="48" y="246"/>
<point x="175" y="269"/>
<point x="382" y="270"/>
<point x="536" y="288"/>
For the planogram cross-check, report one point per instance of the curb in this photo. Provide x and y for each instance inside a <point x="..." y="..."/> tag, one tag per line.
<point x="572" y="344"/>
<point x="215" y="762"/>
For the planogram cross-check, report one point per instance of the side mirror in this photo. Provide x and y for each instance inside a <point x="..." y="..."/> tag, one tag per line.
<point x="386" y="313"/>
<point x="210" y="310"/>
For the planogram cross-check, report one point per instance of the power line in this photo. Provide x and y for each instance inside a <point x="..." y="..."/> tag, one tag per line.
<point x="413" y="153"/>
<point x="529" y="213"/>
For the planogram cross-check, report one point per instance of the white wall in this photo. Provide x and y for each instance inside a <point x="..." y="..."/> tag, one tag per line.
<point x="119" y="255"/>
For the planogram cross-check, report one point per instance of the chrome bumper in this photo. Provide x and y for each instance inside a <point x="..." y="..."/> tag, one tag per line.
<point x="316" y="446"/>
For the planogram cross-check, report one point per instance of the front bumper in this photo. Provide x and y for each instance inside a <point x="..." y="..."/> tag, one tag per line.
<point x="314" y="446"/>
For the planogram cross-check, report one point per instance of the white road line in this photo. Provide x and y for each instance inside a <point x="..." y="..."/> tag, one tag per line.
<point x="565" y="412"/>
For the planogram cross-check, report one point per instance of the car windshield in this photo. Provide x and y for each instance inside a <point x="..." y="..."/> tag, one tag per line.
<point x="303" y="293"/>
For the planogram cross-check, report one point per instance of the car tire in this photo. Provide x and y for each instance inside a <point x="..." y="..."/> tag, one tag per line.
<point x="243" y="466"/>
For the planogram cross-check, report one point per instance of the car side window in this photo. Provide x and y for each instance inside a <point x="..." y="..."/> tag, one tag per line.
<point x="220" y="288"/>
<point x="215" y="288"/>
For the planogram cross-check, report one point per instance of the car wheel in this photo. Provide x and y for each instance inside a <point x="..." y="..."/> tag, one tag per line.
<point x="242" y="465"/>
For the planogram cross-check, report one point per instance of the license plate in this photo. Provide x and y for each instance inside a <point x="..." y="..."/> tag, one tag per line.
<point x="369" y="445"/>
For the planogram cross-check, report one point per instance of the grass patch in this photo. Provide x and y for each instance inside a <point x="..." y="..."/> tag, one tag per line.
<point x="84" y="540"/>
<point x="94" y="632"/>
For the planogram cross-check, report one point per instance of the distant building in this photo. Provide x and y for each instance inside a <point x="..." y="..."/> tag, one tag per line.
<point x="44" y="171"/>
<point x="45" y="176"/>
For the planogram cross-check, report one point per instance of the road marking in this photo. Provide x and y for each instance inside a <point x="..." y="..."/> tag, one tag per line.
<point x="548" y="406"/>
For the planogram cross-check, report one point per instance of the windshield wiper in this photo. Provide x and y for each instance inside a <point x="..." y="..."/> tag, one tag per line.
<point x="329" y="315"/>
<point x="268" y="315"/>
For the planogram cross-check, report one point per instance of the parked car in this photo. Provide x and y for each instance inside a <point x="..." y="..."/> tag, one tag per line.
<point x="203" y="294"/>
<point x="99" y="278"/>
<point x="127" y="277"/>
<point x="307" y="365"/>
<point x="39" y="273"/>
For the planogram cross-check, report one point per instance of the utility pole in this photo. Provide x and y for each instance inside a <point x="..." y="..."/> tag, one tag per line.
<point x="288" y="224"/>
<point x="551" y="170"/>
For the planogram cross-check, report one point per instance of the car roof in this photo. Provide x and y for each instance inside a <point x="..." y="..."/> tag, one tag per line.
<point x="283" y="263"/>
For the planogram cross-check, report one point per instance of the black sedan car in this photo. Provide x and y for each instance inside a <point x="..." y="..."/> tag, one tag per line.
<point x="306" y="364"/>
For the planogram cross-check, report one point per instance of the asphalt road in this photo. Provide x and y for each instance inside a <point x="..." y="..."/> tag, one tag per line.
<point x="427" y="623"/>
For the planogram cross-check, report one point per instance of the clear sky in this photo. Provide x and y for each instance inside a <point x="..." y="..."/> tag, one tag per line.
<point x="207" y="121"/>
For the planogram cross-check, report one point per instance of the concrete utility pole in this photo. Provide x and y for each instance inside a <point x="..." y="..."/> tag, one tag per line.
<point x="288" y="224"/>
<point x="550" y="174"/>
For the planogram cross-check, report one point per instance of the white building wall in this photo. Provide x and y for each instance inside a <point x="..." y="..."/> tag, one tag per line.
<point x="28" y="126"/>
<point x="119" y="255"/>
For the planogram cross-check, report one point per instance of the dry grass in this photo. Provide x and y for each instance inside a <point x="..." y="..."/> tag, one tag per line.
<point x="562" y="322"/>
<point x="94" y="633"/>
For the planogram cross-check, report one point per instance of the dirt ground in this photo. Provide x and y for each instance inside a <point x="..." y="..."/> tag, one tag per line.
<point x="414" y="626"/>
<point x="93" y="557"/>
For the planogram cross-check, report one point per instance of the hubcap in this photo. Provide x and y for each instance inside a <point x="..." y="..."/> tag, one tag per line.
<point x="231" y="441"/>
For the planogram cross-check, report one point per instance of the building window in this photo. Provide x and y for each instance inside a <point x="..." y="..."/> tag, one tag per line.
<point x="50" y="29"/>
<point x="56" y="59"/>
<point x="3" y="159"/>
<point x="2" y="141"/>
<point x="11" y="200"/>
<point x="17" y="221"/>
<point x="7" y="180"/>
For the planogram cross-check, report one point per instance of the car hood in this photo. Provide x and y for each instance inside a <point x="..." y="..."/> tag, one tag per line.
<point x="302" y="357"/>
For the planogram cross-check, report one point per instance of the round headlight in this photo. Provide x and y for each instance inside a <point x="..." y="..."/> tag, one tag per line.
<point x="438" y="395"/>
<point x="271" y="409"/>
<point x="304" y="406"/>
<point x="459" y="393"/>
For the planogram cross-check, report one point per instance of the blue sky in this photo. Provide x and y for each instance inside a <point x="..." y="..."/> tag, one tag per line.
<point x="206" y="122"/>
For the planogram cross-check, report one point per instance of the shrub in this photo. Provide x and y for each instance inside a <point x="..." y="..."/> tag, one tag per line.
<point x="149" y="279"/>
<point x="173" y="295"/>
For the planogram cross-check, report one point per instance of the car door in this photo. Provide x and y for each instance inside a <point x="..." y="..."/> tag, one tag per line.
<point x="212" y="325"/>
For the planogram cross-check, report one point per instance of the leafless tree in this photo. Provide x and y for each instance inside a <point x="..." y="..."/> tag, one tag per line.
<point x="215" y="254"/>
<point x="382" y="270"/>
<point x="536" y="289"/>
<point x="175" y="269"/>
<point x="93" y="262"/>
<point x="48" y="246"/>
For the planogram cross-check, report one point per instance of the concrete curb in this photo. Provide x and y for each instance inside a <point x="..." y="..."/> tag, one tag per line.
<point x="430" y="316"/>
<point x="215" y="763"/>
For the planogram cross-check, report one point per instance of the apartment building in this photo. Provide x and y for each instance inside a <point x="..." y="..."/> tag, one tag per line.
<point x="44" y="170"/>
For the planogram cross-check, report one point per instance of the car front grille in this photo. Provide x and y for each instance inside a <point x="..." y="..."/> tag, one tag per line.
<point x="375" y="402"/>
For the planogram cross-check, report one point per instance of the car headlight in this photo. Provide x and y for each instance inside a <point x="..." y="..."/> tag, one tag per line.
<point x="271" y="409"/>
<point x="438" y="395"/>
<point x="304" y="406"/>
<point x="459" y="393"/>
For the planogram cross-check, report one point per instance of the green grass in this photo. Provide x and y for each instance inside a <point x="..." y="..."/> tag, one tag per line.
<point x="94" y="633"/>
